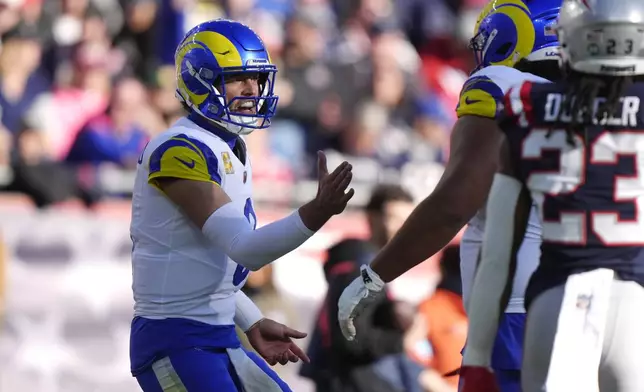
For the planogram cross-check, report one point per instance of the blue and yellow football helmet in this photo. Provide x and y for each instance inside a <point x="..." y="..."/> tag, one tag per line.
<point x="213" y="51"/>
<point x="509" y="30"/>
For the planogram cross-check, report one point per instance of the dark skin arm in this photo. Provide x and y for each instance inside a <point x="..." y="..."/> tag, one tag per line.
<point x="460" y="193"/>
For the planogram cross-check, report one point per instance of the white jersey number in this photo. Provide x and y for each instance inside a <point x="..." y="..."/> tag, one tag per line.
<point x="571" y="227"/>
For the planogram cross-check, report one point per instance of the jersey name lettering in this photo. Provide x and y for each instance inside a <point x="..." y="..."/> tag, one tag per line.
<point x="628" y="118"/>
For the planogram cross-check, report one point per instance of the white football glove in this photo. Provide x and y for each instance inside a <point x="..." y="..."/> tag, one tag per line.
<point x="357" y="296"/>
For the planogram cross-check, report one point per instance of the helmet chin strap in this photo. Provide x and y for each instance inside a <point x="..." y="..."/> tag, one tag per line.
<point x="236" y="128"/>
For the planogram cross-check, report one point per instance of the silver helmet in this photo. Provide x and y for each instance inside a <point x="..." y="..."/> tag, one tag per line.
<point x="602" y="37"/>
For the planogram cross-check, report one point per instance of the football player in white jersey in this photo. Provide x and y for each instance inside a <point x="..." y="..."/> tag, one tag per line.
<point x="575" y="149"/>
<point x="513" y="42"/>
<point x="194" y="227"/>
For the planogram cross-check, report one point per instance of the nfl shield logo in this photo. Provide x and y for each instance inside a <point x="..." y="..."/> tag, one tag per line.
<point x="245" y="176"/>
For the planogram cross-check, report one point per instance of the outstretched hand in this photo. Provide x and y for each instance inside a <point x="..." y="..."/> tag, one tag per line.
<point x="332" y="196"/>
<point x="274" y="342"/>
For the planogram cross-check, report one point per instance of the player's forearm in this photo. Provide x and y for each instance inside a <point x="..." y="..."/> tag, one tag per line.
<point x="229" y="230"/>
<point x="432" y="225"/>
<point x="459" y="194"/>
<point x="406" y="250"/>
<point x="488" y="298"/>
<point x="247" y="313"/>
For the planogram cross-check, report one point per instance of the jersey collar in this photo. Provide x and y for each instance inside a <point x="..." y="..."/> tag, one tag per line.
<point x="228" y="137"/>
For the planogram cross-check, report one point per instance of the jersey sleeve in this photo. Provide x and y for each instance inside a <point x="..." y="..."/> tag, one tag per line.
<point x="186" y="158"/>
<point x="480" y="96"/>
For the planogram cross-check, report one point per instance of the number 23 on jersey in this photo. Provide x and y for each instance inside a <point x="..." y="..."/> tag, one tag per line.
<point x="571" y="227"/>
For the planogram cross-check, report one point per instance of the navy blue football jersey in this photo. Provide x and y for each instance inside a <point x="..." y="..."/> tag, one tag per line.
<point x="590" y="195"/>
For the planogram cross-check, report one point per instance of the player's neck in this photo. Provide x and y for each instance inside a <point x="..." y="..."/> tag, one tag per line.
<point x="226" y="136"/>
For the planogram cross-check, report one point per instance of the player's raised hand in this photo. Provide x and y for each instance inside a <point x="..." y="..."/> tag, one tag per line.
<point x="332" y="196"/>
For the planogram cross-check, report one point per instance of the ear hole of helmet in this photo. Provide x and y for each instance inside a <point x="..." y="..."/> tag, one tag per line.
<point x="504" y="49"/>
<point x="206" y="74"/>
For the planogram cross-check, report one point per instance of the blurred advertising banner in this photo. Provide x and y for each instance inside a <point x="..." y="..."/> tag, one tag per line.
<point x="68" y="301"/>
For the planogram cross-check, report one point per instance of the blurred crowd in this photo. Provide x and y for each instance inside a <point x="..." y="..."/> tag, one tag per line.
<point x="85" y="83"/>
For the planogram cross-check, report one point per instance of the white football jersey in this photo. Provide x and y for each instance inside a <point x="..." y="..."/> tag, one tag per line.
<point x="176" y="271"/>
<point x="481" y="96"/>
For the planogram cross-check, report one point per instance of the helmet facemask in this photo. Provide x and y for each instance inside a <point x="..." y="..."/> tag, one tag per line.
<point x="221" y="110"/>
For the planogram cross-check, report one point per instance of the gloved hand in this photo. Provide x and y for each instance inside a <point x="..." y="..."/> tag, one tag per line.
<point x="358" y="295"/>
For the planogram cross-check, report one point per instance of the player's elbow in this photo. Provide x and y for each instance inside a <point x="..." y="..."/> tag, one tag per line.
<point x="247" y="257"/>
<point x="253" y="264"/>
<point x="459" y="211"/>
<point x="231" y="232"/>
<point x="257" y="266"/>
<point x="252" y="252"/>
<point x="458" y="204"/>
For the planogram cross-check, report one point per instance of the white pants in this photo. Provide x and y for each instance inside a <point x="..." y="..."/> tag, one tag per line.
<point x="586" y="335"/>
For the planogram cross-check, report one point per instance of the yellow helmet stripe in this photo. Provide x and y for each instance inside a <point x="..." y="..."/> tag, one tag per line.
<point x="221" y="47"/>
<point x="493" y="6"/>
<point x="525" y="35"/>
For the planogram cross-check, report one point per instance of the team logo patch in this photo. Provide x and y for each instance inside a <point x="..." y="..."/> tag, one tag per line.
<point x="228" y="164"/>
<point x="584" y="301"/>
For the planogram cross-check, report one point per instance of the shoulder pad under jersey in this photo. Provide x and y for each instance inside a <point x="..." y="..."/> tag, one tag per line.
<point x="184" y="157"/>
<point x="483" y="92"/>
